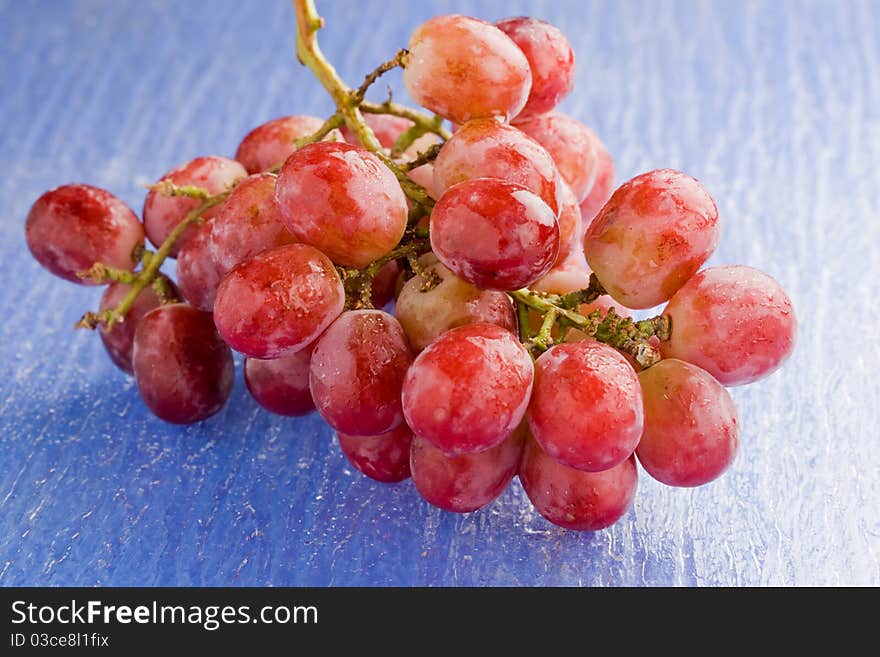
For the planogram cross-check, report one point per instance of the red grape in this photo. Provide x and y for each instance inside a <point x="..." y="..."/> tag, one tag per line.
<point x="451" y="303"/>
<point x="384" y="457"/>
<point x="197" y="273"/>
<point x="119" y="340"/>
<point x="182" y="368"/>
<point x="463" y="68"/>
<point x="281" y="385"/>
<point x="586" y="409"/>
<point x="602" y="187"/>
<point x="735" y="322"/>
<point x="385" y="284"/>
<point x="163" y="213"/>
<point x="571" y="144"/>
<point x="469" y="389"/>
<point x="550" y="58"/>
<point x="494" y="234"/>
<point x="248" y="223"/>
<point x="691" y="434"/>
<point x="357" y="372"/>
<point x="268" y="145"/>
<point x="342" y="200"/>
<point x="72" y="227"/>
<point x="569" y="275"/>
<point x="651" y="236"/>
<point x="279" y="301"/>
<point x="466" y="482"/>
<point x="486" y="148"/>
<point x="574" y="499"/>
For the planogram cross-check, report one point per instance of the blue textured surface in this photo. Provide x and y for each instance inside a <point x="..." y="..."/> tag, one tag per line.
<point x="773" y="105"/>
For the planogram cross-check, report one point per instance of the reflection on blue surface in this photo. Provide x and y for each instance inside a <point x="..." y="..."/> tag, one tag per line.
<point x="772" y="105"/>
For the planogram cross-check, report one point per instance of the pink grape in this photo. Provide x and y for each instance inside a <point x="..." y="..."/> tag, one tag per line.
<point x="281" y="385"/>
<point x="569" y="275"/>
<point x="163" y="213"/>
<point x="469" y="389"/>
<point x="651" y="236"/>
<point x="248" y="223"/>
<point x="384" y="457"/>
<point x="691" y="434"/>
<point x="342" y="200"/>
<point x="571" y="144"/>
<point x="486" y="148"/>
<point x="357" y="372"/>
<point x="574" y="499"/>
<point x="494" y="234"/>
<point x="733" y="321"/>
<point x="463" y="68"/>
<point x="269" y="144"/>
<point x="279" y="301"/>
<point x="467" y="482"/>
<point x="602" y="187"/>
<point x="119" y="340"/>
<point x="424" y="176"/>
<point x="70" y="228"/>
<point x="550" y="57"/>
<point x="586" y="409"/>
<point x="197" y="273"/>
<point x="183" y="370"/>
<point x="451" y="303"/>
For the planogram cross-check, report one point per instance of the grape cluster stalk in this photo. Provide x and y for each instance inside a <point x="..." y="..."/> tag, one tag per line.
<point x="454" y="303"/>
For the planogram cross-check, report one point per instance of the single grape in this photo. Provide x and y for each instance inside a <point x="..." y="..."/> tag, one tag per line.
<point x="469" y="389"/>
<point x="586" y="409"/>
<point x="183" y="370"/>
<point x="248" y="223"/>
<point x="384" y="457"/>
<point x="463" y="68"/>
<point x="571" y="144"/>
<point x="569" y="275"/>
<point x="341" y="199"/>
<point x="385" y="284"/>
<point x="486" y="148"/>
<point x="691" y="434"/>
<point x="602" y="187"/>
<point x="651" y="236"/>
<point x="574" y="499"/>
<point x="279" y="301"/>
<point x="733" y="321"/>
<point x="425" y="315"/>
<point x="197" y="273"/>
<point x="163" y="213"/>
<point x="281" y="385"/>
<point x="119" y="340"/>
<point x="269" y="144"/>
<point x="494" y="234"/>
<point x="357" y="371"/>
<point x="70" y="228"/>
<point x="550" y="57"/>
<point x="424" y="176"/>
<point x="466" y="482"/>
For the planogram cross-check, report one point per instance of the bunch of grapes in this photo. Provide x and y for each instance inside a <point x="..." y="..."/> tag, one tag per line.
<point x="455" y="305"/>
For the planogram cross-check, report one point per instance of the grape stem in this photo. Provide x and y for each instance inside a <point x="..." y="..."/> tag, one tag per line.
<point x="148" y="275"/>
<point x="623" y="333"/>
